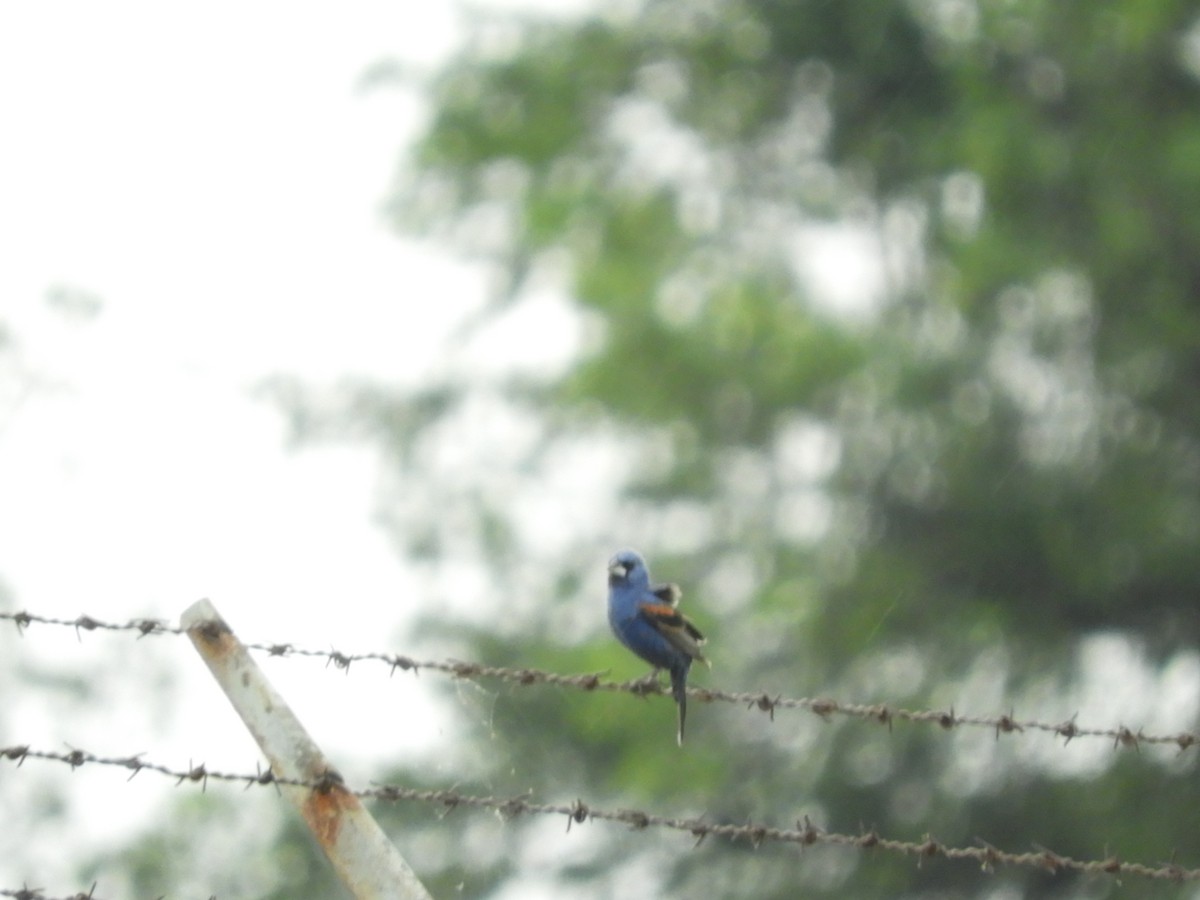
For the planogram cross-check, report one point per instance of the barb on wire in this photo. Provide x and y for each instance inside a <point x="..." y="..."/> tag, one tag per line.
<point x="1121" y="735"/>
<point x="804" y="834"/>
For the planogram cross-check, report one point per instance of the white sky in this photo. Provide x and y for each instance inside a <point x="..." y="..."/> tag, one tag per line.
<point x="213" y="175"/>
<point x="214" y="179"/>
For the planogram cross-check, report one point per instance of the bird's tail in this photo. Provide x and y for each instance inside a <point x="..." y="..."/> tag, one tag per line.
<point x="679" y="692"/>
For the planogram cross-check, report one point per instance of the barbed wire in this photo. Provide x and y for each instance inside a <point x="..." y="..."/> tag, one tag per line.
<point x="804" y="834"/>
<point x="28" y="893"/>
<point x="879" y="713"/>
<point x="145" y="626"/>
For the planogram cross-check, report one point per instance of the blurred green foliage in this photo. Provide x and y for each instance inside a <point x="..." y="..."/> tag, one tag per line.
<point x="938" y="496"/>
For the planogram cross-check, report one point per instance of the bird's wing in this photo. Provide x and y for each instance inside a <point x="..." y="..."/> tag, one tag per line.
<point x="667" y="593"/>
<point x="671" y="624"/>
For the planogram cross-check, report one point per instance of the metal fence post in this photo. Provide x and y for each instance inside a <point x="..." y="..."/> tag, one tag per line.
<point x="368" y="863"/>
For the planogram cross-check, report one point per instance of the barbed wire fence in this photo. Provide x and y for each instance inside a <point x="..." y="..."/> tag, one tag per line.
<point x="803" y="834"/>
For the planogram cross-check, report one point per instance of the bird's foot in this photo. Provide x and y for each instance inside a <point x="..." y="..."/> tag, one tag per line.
<point x="649" y="684"/>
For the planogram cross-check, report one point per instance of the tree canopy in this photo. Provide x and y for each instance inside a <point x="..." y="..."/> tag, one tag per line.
<point x="961" y="471"/>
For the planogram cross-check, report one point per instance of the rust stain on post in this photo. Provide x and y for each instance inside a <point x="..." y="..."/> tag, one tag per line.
<point x="213" y="639"/>
<point x="323" y="810"/>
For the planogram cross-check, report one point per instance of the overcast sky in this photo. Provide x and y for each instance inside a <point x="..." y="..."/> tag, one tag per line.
<point x="190" y="202"/>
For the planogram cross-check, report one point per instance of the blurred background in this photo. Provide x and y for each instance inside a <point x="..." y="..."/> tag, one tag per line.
<point x="875" y="325"/>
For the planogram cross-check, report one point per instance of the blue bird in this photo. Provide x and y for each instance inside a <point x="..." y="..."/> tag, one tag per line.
<point x="646" y="620"/>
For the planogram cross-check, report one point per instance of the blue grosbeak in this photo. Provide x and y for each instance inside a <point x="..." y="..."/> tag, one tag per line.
<point x="646" y="620"/>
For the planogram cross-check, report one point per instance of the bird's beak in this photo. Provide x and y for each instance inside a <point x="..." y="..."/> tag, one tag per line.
<point x="617" y="570"/>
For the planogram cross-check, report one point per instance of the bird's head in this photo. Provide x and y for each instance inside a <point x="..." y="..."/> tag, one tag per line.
<point x="627" y="567"/>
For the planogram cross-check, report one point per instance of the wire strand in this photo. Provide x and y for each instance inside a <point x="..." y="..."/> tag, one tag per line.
<point x="763" y="701"/>
<point x="28" y="893"/>
<point x="804" y="834"/>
